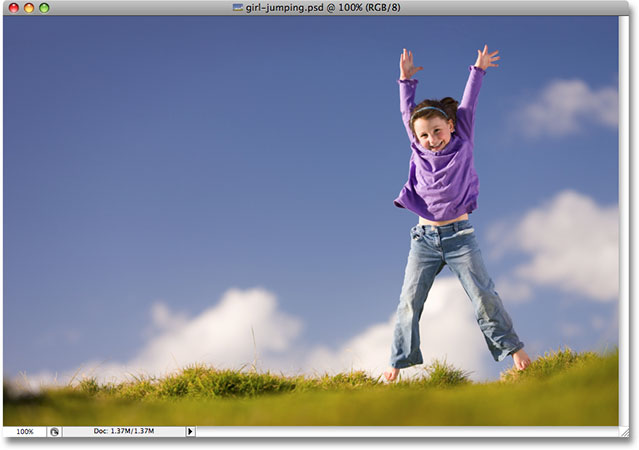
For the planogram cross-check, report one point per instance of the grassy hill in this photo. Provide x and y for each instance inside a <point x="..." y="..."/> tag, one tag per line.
<point x="562" y="388"/>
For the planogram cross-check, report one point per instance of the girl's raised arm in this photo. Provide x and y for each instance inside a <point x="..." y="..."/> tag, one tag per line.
<point x="407" y="89"/>
<point x="466" y="112"/>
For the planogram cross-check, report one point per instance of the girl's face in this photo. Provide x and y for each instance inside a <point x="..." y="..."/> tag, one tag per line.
<point x="434" y="133"/>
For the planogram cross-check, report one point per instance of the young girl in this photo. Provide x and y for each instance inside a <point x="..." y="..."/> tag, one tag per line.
<point x="442" y="190"/>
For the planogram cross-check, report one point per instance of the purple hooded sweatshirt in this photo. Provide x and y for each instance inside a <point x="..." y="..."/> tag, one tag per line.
<point x="442" y="185"/>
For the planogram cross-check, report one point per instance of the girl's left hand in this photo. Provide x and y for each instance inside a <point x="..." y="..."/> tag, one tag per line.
<point x="485" y="59"/>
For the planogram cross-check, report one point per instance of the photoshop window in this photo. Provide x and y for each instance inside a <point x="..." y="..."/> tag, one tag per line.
<point x="315" y="219"/>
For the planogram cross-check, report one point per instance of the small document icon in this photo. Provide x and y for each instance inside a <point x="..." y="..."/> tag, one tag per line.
<point x="238" y="7"/>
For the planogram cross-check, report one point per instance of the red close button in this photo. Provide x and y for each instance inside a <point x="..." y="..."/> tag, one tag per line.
<point x="14" y="8"/>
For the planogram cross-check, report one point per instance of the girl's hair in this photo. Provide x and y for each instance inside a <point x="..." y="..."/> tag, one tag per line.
<point x="448" y="105"/>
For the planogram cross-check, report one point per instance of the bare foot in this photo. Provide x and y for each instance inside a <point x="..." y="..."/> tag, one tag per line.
<point x="521" y="359"/>
<point x="391" y="374"/>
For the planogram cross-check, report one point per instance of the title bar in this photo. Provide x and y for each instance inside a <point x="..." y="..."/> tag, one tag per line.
<point x="312" y="8"/>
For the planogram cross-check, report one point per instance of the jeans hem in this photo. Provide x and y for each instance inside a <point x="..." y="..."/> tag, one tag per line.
<point x="405" y="365"/>
<point x="510" y="353"/>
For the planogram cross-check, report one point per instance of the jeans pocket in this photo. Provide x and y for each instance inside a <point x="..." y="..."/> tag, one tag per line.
<point x="416" y="233"/>
<point x="463" y="232"/>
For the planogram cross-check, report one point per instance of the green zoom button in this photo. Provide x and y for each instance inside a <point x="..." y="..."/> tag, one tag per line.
<point x="44" y="7"/>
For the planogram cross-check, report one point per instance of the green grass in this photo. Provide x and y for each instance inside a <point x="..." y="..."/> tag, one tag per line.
<point x="561" y="388"/>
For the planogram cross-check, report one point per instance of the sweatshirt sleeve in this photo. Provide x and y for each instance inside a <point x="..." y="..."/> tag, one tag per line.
<point x="466" y="110"/>
<point x="407" y="90"/>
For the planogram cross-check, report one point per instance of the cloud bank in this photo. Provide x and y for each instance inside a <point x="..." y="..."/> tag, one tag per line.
<point x="566" y="107"/>
<point x="223" y="336"/>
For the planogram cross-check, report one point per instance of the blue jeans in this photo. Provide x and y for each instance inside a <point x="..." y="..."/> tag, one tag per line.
<point x="430" y="250"/>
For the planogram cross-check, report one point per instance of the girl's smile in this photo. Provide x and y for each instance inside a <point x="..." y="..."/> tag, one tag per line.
<point x="434" y="133"/>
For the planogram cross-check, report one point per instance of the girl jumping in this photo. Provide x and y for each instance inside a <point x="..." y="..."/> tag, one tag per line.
<point x="442" y="189"/>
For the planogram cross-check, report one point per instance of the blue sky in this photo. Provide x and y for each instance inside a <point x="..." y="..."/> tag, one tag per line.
<point x="151" y="164"/>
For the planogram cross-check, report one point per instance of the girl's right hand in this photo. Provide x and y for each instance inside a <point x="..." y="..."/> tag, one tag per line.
<point x="406" y="67"/>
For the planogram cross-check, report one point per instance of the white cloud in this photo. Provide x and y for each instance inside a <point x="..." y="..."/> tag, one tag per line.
<point x="448" y="330"/>
<point x="572" y="243"/>
<point x="568" y="106"/>
<point x="228" y="335"/>
<point x="223" y="335"/>
<point x="163" y="319"/>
